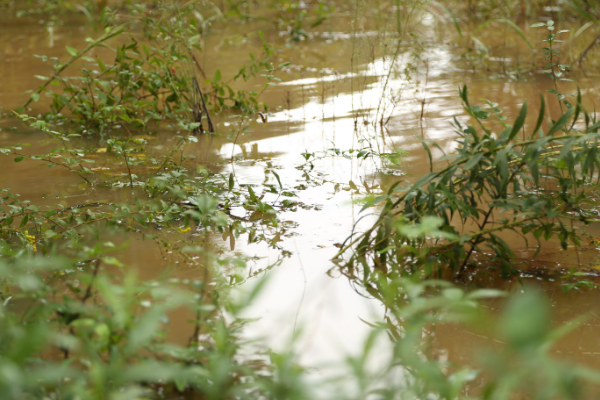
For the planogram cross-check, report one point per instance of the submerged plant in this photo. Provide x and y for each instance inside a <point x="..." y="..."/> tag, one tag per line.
<point x="70" y="328"/>
<point x="152" y="80"/>
<point x="538" y="186"/>
<point x="145" y="84"/>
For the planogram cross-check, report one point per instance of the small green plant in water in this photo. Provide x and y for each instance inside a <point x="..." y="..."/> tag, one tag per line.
<point x="539" y="186"/>
<point x="553" y="69"/>
<point x="144" y="85"/>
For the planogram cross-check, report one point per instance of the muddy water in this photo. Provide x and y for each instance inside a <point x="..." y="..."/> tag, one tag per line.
<point x="334" y="95"/>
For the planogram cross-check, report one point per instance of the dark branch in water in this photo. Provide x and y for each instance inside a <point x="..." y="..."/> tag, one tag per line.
<point x="584" y="54"/>
<point x="197" y="64"/>
<point x="88" y="292"/>
<point x="198" y="113"/>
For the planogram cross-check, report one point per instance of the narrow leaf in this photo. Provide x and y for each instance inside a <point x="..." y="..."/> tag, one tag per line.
<point x="230" y="183"/>
<point x="562" y="121"/>
<point x="217" y="77"/>
<point x="540" y="119"/>
<point x="278" y="180"/>
<point x="71" y="51"/>
<point x="473" y="161"/>
<point x="518" y="30"/>
<point x="519" y="122"/>
<point x="449" y="13"/>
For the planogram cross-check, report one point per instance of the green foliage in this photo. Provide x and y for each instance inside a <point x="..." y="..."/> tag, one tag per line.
<point x="175" y="196"/>
<point x="223" y="97"/>
<point x="534" y="185"/>
<point x="553" y="69"/>
<point x="521" y="368"/>
<point x="369" y="150"/>
<point x="151" y="79"/>
<point x="75" y="322"/>
<point x="76" y="327"/>
<point x="144" y="84"/>
<point x="105" y="338"/>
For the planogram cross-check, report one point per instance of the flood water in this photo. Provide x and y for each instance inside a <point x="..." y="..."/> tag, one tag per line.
<point x="334" y="94"/>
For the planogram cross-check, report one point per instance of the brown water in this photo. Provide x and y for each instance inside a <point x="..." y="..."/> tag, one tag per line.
<point x="325" y="101"/>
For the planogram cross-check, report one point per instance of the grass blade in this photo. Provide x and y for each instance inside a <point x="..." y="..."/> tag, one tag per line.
<point x="517" y="29"/>
<point x="449" y="14"/>
<point x="540" y="119"/>
<point x="519" y="122"/>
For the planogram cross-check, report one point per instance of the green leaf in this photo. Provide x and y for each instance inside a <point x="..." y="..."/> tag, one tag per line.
<point x="19" y="159"/>
<point x="71" y="51"/>
<point x="252" y="195"/>
<point x="479" y="113"/>
<point x="518" y="30"/>
<point x="593" y="128"/>
<point x="562" y="121"/>
<point x="9" y="220"/>
<point x="473" y="161"/>
<point x="101" y="64"/>
<point x="217" y="77"/>
<point x="558" y="94"/>
<point x="144" y="329"/>
<point x="428" y="150"/>
<point x="278" y="180"/>
<point x="526" y="320"/>
<point x="480" y="44"/>
<point x="481" y="26"/>
<point x="372" y="201"/>
<point x="423" y="180"/>
<point x="24" y="221"/>
<point x="540" y="119"/>
<point x="519" y="122"/>
<point x="230" y="182"/>
<point x="449" y="13"/>
<point x="112" y="261"/>
<point x="180" y="383"/>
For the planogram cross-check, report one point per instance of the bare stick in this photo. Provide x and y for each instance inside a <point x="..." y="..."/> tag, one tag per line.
<point x="88" y="292"/>
<point x="211" y="129"/>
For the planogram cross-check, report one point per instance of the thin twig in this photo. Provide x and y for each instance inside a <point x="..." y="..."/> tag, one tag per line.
<point x="88" y="292"/>
<point x="584" y="54"/>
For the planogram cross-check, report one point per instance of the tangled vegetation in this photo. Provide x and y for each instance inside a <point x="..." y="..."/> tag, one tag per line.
<point x="148" y="82"/>
<point x="79" y="322"/>
<point x="538" y="183"/>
